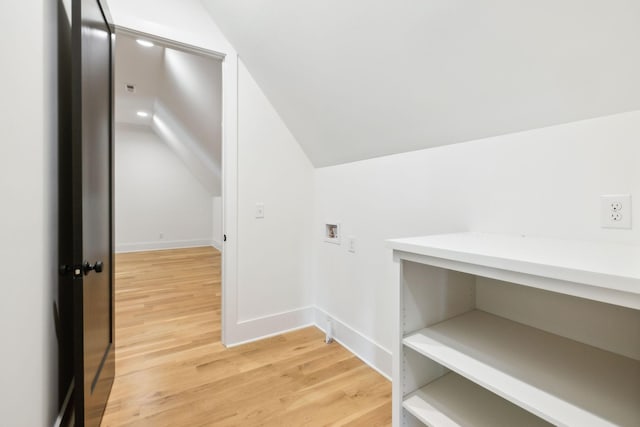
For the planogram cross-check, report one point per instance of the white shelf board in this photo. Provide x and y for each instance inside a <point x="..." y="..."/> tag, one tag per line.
<point x="452" y="401"/>
<point x="560" y="380"/>
<point x="613" y="266"/>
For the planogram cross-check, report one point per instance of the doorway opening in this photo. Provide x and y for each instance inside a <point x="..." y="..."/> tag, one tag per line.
<point x="167" y="192"/>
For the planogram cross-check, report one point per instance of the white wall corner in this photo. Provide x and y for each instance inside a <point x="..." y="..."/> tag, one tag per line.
<point x="370" y="352"/>
<point x="217" y="244"/>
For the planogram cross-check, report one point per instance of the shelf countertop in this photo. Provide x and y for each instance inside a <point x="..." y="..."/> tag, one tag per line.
<point x="602" y="264"/>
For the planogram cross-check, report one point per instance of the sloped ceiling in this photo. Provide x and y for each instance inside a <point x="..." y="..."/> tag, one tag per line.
<point x="143" y="68"/>
<point x="363" y="78"/>
<point x="182" y="94"/>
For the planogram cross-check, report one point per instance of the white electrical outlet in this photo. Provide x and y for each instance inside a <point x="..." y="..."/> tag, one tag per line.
<point x="615" y="211"/>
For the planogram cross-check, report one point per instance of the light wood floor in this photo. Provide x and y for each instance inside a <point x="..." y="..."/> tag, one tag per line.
<point x="172" y="370"/>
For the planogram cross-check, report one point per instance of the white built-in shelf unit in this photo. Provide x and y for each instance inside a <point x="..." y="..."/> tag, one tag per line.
<point x="502" y="330"/>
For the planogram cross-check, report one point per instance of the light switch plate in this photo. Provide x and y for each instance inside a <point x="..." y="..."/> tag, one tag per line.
<point x="351" y="240"/>
<point x="259" y="210"/>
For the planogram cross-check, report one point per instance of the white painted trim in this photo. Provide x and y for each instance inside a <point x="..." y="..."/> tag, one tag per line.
<point x="370" y="352"/>
<point x="576" y="288"/>
<point x="229" y="262"/>
<point x="217" y="244"/>
<point x="260" y="328"/>
<point x="168" y="42"/>
<point x="158" y="246"/>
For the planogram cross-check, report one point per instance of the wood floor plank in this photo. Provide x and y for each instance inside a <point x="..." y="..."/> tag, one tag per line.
<point x="172" y="370"/>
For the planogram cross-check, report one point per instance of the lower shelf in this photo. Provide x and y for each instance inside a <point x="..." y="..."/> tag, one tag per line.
<point x="560" y="380"/>
<point x="452" y="401"/>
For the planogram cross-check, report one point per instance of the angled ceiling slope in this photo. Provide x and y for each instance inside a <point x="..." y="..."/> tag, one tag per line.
<point x="182" y="95"/>
<point x="364" y="78"/>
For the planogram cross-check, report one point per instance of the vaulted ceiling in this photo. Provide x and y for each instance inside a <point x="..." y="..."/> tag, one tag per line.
<point x="182" y="95"/>
<point x="363" y="78"/>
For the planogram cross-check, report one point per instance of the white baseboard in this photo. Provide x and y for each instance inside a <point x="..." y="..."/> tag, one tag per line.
<point x="370" y="352"/>
<point x="217" y="244"/>
<point x="157" y="246"/>
<point x="264" y="327"/>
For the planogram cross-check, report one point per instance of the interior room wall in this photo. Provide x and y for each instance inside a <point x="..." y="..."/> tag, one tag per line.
<point x="544" y="182"/>
<point x="159" y="204"/>
<point x="28" y="218"/>
<point x="216" y="213"/>
<point x="274" y="251"/>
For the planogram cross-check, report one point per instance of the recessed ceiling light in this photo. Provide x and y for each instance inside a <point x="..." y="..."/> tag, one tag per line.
<point x="145" y="43"/>
<point x="143" y="114"/>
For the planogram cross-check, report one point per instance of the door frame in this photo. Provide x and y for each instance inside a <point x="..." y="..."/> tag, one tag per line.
<point x="229" y="171"/>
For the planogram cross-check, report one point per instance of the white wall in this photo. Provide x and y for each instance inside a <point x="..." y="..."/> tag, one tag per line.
<point x="216" y="213"/>
<point x="274" y="251"/>
<point x="156" y="194"/>
<point x="541" y="182"/>
<point x="28" y="221"/>
<point x="545" y="181"/>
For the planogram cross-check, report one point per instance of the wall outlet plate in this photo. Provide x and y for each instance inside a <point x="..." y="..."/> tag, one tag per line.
<point x="615" y="211"/>
<point x="332" y="233"/>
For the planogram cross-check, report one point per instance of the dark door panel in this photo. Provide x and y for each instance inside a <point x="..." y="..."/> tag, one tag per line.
<point x="92" y="184"/>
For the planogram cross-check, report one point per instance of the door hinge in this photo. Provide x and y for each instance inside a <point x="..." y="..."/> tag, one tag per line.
<point x="75" y="270"/>
<point x="79" y="270"/>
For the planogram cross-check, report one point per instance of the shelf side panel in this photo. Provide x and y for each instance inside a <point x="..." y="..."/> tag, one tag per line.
<point x="418" y="371"/>
<point x="432" y="294"/>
